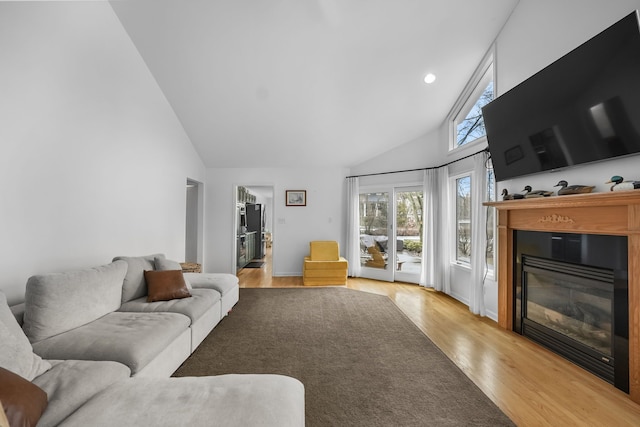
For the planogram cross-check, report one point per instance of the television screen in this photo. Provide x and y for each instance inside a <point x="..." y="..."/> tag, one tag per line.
<point x="584" y="107"/>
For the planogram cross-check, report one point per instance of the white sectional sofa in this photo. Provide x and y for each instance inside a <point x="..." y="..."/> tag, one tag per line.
<point x="102" y="352"/>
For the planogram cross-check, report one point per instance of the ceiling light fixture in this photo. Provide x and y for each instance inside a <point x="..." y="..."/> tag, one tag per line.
<point x="429" y="78"/>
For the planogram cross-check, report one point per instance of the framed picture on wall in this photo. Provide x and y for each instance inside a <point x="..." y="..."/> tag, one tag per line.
<point x="296" y="197"/>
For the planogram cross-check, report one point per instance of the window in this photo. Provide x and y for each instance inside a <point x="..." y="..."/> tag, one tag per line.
<point x="461" y="204"/>
<point x="463" y="219"/>
<point x="466" y="123"/>
<point x="471" y="128"/>
<point x="491" y="221"/>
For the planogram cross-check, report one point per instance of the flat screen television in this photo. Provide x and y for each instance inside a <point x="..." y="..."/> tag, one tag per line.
<point x="584" y="107"/>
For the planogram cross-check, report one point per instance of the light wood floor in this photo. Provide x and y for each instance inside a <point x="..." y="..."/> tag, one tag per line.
<point x="533" y="386"/>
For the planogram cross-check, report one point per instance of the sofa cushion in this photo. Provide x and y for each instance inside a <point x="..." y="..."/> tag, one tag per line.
<point x="23" y="401"/>
<point x="167" y="264"/>
<point x="59" y="302"/>
<point x="134" y="285"/>
<point x="16" y="353"/>
<point x="221" y="282"/>
<point x="165" y="285"/>
<point x="231" y="400"/>
<point x="70" y="384"/>
<point x="195" y="307"/>
<point x="133" y="339"/>
<point x="226" y="284"/>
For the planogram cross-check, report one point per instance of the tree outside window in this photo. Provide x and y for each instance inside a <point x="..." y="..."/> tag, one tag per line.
<point x="491" y="221"/>
<point x="410" y="220"/>
<point x="373" y="213"/>
<point x="463" y="219"/>
<point x="471" y="127"/>
<point x="466" y="121"/>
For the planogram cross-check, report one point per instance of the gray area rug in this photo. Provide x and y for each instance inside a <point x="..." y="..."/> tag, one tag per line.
<point x="362" y="361"/>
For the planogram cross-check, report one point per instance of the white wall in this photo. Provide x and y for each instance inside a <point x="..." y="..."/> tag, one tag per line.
<point x="425" y="151"/>
<point x="93" y="160"/>
<point x="293" y="227"/>
<point x="538" y="33"/>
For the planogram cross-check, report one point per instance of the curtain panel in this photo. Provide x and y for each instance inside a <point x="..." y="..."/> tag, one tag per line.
<point x="353" y="227"/>
<point x="437" y="223"/>
<point x="478" y="233"/>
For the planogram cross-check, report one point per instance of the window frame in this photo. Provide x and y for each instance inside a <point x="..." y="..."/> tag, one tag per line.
<point x="466" y="263"/>
<point x="491" y="269"/>
<point x="485" y="73"/>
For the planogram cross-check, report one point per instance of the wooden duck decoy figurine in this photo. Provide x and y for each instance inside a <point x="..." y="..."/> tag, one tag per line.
<point x="507" y="196"/>
<point x="529" y="193"/>
<point x="573" y="189"/>
<point x="619" y="184"/>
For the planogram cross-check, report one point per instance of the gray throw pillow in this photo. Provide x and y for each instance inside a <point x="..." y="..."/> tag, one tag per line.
<point x="134" y="285"/>
<point x="16" y="353"/>
<point x="163" y="264"/>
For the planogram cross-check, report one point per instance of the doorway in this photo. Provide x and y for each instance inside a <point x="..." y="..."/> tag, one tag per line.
<point x="391" y="224"/>
<point x="193" y="222"/>
<point x="254" y="225"/>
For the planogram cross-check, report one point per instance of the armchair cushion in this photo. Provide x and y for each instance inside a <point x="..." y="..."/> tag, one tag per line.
<point x="340" y="264"/>
<point x="324" y="250"/>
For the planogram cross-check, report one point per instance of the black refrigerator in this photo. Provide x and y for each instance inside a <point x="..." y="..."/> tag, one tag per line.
<point x="255" y="222"/>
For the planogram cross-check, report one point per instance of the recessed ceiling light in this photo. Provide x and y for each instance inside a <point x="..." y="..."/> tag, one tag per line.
<point x="429" y="78"/>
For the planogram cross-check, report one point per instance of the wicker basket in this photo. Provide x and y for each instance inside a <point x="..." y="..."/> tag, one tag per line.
<point x="191" y="267"/>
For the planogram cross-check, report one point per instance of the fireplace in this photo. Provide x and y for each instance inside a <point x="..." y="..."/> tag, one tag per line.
<point x="571" y="296"/>
<point x="607" y="213"/>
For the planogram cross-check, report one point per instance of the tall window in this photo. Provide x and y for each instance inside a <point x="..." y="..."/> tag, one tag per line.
<point x="491" y="220"/>
<point x="467" y="124"/>
<point x="463" y="219"/>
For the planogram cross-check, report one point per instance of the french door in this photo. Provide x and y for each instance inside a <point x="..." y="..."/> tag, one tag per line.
<point x="391" y="225"/>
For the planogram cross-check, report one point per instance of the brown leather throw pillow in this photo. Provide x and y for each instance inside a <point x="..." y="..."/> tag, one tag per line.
<point x="165" y="285"/>
<point x="23" y="402"/>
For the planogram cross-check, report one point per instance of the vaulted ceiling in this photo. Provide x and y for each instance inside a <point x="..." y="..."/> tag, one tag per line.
<point x="281" y="83"/>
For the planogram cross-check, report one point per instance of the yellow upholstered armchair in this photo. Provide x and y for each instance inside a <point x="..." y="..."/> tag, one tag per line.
<point x="324" y="265"/>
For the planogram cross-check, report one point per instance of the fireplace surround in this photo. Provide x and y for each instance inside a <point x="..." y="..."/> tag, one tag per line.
<point x="571" y="296"/>
<point x="605" y="214"/>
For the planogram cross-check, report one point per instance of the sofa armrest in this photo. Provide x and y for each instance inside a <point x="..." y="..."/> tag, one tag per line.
<point x="18" y="312"/>
<point x="221" y="282"/>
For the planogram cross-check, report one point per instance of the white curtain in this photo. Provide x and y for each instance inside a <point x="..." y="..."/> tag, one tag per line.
<point x="443" y="233"/>
<point x="435" y="246"/>
<point x="353" y="227"/>
<point x="478" y="232"/>
<point x="429" y="227"/>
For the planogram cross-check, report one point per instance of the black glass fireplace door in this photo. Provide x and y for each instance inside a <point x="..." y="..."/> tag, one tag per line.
<point x="571" y="296"/>
<point x="570" y="310"/>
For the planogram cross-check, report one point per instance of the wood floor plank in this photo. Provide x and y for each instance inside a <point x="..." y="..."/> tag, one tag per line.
<point x="533" y="386"/>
